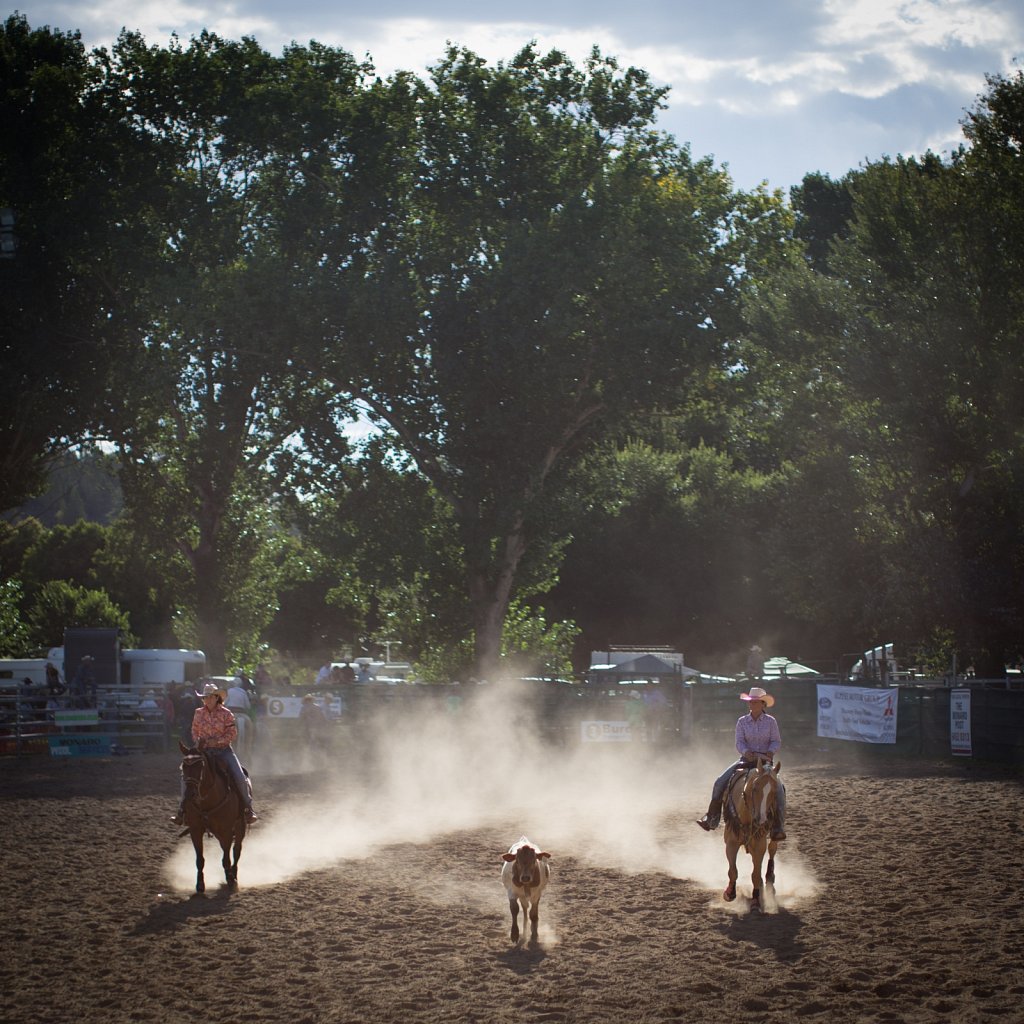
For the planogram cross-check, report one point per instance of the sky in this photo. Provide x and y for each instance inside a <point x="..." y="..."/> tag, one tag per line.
<point x="773" y="89"/>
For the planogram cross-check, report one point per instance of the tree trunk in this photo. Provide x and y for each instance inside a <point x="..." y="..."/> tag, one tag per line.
<point x="490" y="589"/>
<point x="209" y="605"/>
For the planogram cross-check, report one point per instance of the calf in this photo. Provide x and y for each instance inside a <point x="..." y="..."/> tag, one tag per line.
<point x="525" y="875"/>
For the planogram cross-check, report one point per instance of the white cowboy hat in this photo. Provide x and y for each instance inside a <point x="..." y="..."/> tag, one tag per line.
<point x="756" y="693"/>
<point x="211" y="689"/>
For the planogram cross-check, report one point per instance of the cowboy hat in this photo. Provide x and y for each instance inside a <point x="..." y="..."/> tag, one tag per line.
<point x="756" y="693"/>
<point x="212" y="689"/>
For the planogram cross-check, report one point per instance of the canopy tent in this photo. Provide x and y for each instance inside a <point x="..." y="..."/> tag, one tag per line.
<point x="780" y="668"/>
<point x="641" y="669"/>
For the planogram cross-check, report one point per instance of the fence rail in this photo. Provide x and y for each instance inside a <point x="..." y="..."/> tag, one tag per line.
<point x="702" y="714"/>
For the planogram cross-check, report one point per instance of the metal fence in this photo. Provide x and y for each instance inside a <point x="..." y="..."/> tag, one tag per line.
<point x="697" y="715"/>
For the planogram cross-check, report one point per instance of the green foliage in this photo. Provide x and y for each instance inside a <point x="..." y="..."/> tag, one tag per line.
<point x="604" y="382"/>
<point x="531" y="646"/>
<point x="543" y="263"/>
<point x="60" y="604"/>
<point x="74" y="171"/>
<point x="14" y="634"/>
<point x="63" y="553"/>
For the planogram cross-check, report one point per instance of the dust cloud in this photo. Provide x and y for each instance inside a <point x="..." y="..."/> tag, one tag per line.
<point x="415" y="774"/>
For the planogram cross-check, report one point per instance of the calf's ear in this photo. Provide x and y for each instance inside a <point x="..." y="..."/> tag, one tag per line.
<point x="508" y="856"/>
<point x="544" y="855"/>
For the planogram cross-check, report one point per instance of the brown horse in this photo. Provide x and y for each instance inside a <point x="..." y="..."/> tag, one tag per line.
<point x="749" y="811"/>
<point x="212" y="805"/>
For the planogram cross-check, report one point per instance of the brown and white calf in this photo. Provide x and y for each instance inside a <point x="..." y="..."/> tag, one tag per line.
<point x="525" y="875"/>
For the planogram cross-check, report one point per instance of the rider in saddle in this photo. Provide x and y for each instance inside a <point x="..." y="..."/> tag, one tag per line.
<point x="757" y="736"/>
<point x="214" y="730"/>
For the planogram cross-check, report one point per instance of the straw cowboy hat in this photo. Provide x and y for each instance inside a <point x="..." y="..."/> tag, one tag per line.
<point x="211" y="689"/>
<point x="756" y="693"/>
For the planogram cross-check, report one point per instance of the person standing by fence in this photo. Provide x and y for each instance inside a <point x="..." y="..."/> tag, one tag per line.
<point x="83" y="685"/>
<point x="239" y="703"/>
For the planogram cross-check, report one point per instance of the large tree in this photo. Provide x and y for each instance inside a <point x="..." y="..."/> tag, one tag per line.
<point x="74" y="176"/>
<point x="541" y="264"/>
<point x="215" y="392"/>
<point x="905" y="456"/>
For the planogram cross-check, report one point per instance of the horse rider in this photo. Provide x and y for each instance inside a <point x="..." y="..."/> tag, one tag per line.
<point x="757" y="736"/>
<point x="214" y="730"/>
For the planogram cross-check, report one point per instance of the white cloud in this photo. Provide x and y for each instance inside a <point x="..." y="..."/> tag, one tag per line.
<point x="774" y="89"/>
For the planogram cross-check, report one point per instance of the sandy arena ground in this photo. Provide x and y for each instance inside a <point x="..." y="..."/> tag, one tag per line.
<point x="369" y="891"/>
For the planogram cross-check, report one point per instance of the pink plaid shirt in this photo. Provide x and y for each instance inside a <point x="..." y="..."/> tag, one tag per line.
<point x="217" y="727"/>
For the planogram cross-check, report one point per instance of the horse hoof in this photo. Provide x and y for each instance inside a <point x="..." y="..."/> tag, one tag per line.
<point x="729" y="895"/>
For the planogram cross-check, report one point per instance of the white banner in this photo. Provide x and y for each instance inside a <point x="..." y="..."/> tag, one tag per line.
<point x="289" y="707"/>
<point x="857" y="713"/>
<point x="605" y="732"/>
<point x="960" y="722"/>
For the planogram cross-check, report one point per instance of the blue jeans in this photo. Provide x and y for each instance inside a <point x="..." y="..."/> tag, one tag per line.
<point x="228" y="757"/>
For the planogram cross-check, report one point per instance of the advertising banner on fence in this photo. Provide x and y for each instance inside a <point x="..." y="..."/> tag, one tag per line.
<point x="960" y="722"/>
<point x="76" y="716"/>
<point x="605" y="732"/>
<point x="291" y="707"/>
<point x="80" y="744"/>
<point x="857" y="713"/>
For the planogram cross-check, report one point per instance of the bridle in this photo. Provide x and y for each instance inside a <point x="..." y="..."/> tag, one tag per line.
<point x="194" y="782"/>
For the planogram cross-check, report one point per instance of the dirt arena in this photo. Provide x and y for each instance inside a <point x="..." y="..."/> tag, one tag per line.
<point x="369" y="891"/>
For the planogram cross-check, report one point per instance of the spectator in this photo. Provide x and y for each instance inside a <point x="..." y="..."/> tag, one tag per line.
<point x="755" y="664"/>
<point x="348" y="673"/>
<point x="239" y="703"/>
<point x="314" y="723"/>
<point x="83" y="685"/>
<point x="54" y="683"/>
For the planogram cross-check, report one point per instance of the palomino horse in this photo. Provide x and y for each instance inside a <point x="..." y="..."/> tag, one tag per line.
<point x="749" y="811"/>
<point x="211" y="805"/>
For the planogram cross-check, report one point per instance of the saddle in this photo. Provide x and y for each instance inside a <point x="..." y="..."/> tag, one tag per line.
<point x="734" y="791"/>
<point x="225" y="773"/>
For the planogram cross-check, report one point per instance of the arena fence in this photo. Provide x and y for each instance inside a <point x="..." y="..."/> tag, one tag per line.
<point x="697" y="715"/>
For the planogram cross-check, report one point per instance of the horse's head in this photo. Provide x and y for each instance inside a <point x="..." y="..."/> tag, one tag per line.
<point x="193" y="763"/>
<point x="760" y="791"/>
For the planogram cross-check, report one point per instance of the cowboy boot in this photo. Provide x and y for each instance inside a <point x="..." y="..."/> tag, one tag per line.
<point x="179" y="818"/>
<point x="710" y="820"/>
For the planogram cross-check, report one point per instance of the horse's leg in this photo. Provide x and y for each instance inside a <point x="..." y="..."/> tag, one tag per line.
<point x="236" y="851"/>
<point x="197" y="843"/>
<point x="225" y="860"/>
<point x="757" y="849"/>
<point x="731" y="849"/>
<point x="769" y="875"/>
